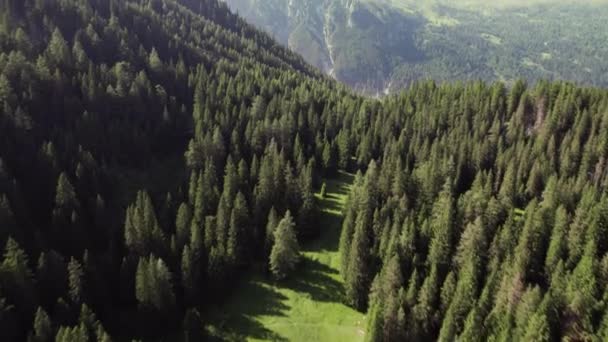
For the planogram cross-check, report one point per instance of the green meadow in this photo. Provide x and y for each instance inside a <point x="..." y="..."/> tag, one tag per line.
<point x="307" y="306"/>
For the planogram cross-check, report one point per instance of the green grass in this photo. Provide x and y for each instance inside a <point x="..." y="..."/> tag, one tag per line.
<point x="307" y="306"/>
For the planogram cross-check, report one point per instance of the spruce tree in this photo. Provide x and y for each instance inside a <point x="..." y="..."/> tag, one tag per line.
<point x="238" y="230"/>
<point x="182" y="225"/>
<point x="58" y="50"/>
<point x="285" y="252"/>
<point x="153" y="287"/>
<point x="143" y="234"/>
<point x="76" y="282"/>
<point x="17" y="280"/>
<point x="65" y="197"/>
<point x="43" y="328"/>
<point x="359" y="275"/>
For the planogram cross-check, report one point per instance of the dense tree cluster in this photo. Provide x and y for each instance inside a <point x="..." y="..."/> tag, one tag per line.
<point x="145" y="146"/>
<point x="152" y="150"/>
<point x="549" y="41"/>
<point x="285" y="250"/>
<point x="481" y="215"/>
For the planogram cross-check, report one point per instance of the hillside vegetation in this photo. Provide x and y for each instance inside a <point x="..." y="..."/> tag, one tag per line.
<point x="160" y="159"/>
<point x="309" y="306"/>
<point x="483" y="215"/>
<point x="142" y="145"/>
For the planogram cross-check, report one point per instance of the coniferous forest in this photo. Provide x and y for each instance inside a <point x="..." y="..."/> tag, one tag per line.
<point x="154" y="151"/>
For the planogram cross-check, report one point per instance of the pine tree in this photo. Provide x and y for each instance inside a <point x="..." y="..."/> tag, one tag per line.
<point x="426" y="305"/>
<point x="76" y="282"/>
<point x="537" y="328"/>
<point x="182" y="225"/>
<point x="557" y="245"/>
<point x="153" y="285"/>
<point x="393" y="320"/>
<point x="344" y="153"/>
<point x="359" y="273"/>
<point x="43" y="328"/>
<point x="230" y="181"/>
<point x="285" y="252"/>
<point x="307" y="209"/>
<point x="441" y="227"/>
<point x="222" y="225"/>
<point x="207" y="190"/>
<point x="328" y="159"/>
<point x="265" y="189"/>
<point x="88" y="319"/>
<point x="72" y="334"/>
<point x="17" y="280"/>
<point x="237" y="233"/>
<point x="373" y="330"/>
<point x="582" y="295"/>
<point x="65" y="196"/>
<point x="156" y="64"/>
<point x="58" y="50"/>
<point x="346" y="236"/>
<point x="143" y="234"/>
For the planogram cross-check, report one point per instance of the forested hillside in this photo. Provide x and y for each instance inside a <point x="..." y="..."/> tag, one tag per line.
<point x="142" y="147"/>
<point x="154" y="151"/>
<point x="482" y="216"/>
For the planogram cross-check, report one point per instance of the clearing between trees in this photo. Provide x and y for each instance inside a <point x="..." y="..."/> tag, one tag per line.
<point x="307" y="306"/>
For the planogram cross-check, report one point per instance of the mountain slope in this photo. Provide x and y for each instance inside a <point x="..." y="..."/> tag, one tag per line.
<point x="154" y="151"/>
<point x="358" y="43"/>
<point x="142" y="144"/>
<point x="376" y="45"/>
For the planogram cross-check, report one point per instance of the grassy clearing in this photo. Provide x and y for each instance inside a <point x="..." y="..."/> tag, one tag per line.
<point x="306" y="307"/>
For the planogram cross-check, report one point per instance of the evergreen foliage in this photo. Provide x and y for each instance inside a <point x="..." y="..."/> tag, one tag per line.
<point x="285" y="251"/>
<point x="149" y="147"/>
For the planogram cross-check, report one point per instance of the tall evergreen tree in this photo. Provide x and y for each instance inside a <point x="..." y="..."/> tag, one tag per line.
<point x="285" y="252"/>
<point x="359" y="272"/>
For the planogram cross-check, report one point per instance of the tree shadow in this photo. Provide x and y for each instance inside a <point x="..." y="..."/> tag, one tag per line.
<point x="257" y="296"/>
<point x="330" y="218"/>
<point x="331" y="203"/>
<point x="315" y="280"/>
<point x="244" y="328"/>
<point x="235" y="320"/>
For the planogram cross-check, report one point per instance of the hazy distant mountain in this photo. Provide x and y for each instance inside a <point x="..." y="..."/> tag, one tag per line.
<point x="377" y="45"/>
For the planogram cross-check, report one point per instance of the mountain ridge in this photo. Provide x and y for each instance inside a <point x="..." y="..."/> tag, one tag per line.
<point x="379" y="46"/>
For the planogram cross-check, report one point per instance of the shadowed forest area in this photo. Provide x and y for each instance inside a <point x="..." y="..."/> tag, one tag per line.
<point x="308" y="306"/>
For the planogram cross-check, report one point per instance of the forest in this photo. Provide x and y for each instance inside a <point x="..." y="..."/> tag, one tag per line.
<point x="154" y="151"/>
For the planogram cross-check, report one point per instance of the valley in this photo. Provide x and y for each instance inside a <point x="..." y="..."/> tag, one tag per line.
<point x="380" y="46"/>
